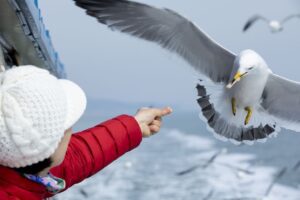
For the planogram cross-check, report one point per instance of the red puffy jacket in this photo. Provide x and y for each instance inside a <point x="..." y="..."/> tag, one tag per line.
<point x="89" y="151"/>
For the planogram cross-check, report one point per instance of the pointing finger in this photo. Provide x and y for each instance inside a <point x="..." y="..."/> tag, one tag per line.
<point x="167" y="111"/>
<point x="163" y="112"/>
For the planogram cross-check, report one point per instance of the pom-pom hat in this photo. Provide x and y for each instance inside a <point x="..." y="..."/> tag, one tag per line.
<point x="35" y="110"/>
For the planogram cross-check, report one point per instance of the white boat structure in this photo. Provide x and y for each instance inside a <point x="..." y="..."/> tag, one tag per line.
<point x="24" y="40"/>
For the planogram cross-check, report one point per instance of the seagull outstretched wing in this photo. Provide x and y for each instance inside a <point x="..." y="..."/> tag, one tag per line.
<point x="252" y="20"/>
<point x="168" y="29"/>
<point x="281" y="99"/>
<point x="288" y="18"/>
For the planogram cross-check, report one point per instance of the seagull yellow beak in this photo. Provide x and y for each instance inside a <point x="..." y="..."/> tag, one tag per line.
<point x="237" y="77"/>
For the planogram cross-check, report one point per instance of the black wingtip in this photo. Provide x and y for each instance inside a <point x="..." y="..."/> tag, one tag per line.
<point x="246" y="27"/>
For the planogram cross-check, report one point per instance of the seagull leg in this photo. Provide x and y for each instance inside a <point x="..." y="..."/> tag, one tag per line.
<point x="249" y="114"/>
<point x="233" y="106"/>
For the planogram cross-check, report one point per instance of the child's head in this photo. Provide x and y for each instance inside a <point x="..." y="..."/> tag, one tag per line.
<point x="37" y="111"/>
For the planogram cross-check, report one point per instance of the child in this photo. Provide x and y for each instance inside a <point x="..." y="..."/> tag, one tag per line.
<point x="39" y="156"/>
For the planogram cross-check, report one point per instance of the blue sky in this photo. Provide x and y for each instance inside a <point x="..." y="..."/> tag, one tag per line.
<point x="111" y="65"/>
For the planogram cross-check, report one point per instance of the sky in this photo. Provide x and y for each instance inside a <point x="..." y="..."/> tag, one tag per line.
<point x="113" y="66"/>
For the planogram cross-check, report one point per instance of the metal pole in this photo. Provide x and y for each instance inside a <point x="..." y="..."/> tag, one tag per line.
<point x="2" y="60"/>
<point x="3" y="46"/>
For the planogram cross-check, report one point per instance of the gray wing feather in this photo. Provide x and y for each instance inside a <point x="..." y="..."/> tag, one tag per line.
<point x="252" y="20"/>
<point x="290" y="17"/>
<point x="168" y="29"/>
<point x="281" y="99"/>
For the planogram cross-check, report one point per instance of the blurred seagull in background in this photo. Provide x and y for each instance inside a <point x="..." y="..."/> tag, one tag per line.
<point x="275" y="26"/>
<point x="241" y="100"/>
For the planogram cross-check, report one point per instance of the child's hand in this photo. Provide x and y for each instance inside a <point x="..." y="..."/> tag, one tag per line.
<point x="150" y="119"/>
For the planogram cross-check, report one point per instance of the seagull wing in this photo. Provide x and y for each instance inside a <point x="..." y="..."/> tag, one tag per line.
<point x="281" y="99"/>
<point x="252" y="20"/>
<point x="168" y="29"/>
<point x="290" y="17"/>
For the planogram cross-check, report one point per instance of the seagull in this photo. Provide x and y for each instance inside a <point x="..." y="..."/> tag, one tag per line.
<point x="240" y="99"/>
<point x="275" y="25"/>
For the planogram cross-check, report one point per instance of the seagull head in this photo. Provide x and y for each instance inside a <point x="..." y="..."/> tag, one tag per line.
<point x="247" y="63"/>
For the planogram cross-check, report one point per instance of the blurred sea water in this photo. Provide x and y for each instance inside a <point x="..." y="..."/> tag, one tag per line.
<point x="184" y="161"/>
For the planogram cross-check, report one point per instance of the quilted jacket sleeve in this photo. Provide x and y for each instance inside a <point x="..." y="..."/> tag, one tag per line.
<point x="91" y="150"/>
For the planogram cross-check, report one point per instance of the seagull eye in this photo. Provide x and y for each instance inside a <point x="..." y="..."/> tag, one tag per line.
<point x="250" y="68"/>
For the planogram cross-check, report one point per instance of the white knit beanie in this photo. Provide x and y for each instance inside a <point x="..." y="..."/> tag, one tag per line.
<point x="35" y="110"/>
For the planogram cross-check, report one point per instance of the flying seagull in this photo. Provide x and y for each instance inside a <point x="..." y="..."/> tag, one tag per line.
<point x="275" y="25"/>
<point x="241" y="100"/>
